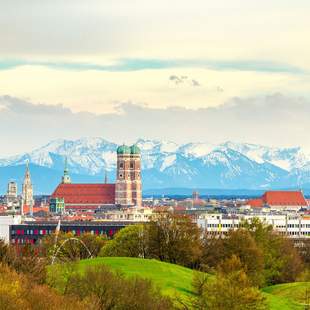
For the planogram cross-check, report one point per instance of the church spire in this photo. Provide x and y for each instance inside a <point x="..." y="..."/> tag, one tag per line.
<point x="27" y="191"/>
<point x="66" y="177"/>
<point x="27" y="173"/>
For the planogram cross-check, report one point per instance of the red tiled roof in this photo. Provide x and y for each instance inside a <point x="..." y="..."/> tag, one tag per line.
<point x="35" y="209"/>
<point x="84" y="194"/>
<point x="279" y="198"/>
<point x="285" y="198"/>
<point x="255" y="203"/>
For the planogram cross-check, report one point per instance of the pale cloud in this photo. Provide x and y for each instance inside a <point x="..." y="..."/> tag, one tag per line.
<point x="275" y="120"/>
<point x="267" y="29"/>
<point x="76" y="62"/>
<point x="99" y="91"/>
<point x="128" y="65"/>
<point x="90" y="55"/>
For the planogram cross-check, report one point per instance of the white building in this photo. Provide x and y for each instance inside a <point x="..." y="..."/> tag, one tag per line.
<point x="5" y="222"/>
<point x="135" y="214"/>
<point x="292" y="226"/>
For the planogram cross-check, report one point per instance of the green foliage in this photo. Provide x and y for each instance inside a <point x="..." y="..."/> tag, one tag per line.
<point x="128" y="242"/>
<point x="71" y="247"/>
<point x="24" y="259"/>
<point x="104" y="289"/>
<point x="282" y="262"/>
<point x="266" y="257"/>
<point x="175" y="281"/>
<point x="238" y="243"/>
<point x="170" y="238"/>
<point x="230" y="289"/>
<point x="175" y="239"/>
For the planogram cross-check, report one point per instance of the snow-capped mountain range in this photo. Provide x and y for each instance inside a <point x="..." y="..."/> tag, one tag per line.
<point x="166" y="164"/>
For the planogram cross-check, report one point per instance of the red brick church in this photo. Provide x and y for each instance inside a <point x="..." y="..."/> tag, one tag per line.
<point x="127" y="191"/>
<point x="280" y="200"/>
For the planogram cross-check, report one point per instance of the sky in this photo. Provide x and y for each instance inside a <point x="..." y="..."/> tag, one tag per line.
<point x="185" y="71"/>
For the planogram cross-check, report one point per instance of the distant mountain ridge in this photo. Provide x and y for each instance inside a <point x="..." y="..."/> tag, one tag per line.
<point x="166" y="164"/>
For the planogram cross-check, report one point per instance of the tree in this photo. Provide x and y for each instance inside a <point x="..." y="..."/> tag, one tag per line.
<point x="174" y="238"/>
<point x="128" y="242"/>
<point x="71" y="247"/>
<point x="229" y="289"/>
<point x="241" y="244"/>
<point x="25" y="259"/>
<point x="282" y="263"/>
<point x="17" y="291"/>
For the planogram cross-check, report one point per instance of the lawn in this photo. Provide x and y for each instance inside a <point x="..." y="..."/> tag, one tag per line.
<point x="169" y="278"/>
<point x="176" y="281"/>
<point x="288" y="296"/>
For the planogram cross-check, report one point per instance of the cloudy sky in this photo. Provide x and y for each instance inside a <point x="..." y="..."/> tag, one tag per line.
<point x="197" y="70"/>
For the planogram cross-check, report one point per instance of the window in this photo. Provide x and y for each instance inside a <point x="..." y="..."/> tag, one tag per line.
<point x="121" y="165"/>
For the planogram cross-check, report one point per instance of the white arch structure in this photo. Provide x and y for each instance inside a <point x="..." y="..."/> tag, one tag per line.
<point x="64" y="242"/>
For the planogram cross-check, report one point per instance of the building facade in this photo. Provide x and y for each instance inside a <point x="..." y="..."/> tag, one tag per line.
<point x="34" y="232"/>
<point x="297" y="227"/>
<point x="12" y="190"/>
<point x="126" y="192"/>
<point x="128" y="188"/>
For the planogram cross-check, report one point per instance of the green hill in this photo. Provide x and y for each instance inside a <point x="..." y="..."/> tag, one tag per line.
<point x="288" y="296"/>
<point x="169" y="278"/>
<point x="177" y="280"/>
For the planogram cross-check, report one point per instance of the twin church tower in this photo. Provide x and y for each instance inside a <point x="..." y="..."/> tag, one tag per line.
<point x="128" y="188"/>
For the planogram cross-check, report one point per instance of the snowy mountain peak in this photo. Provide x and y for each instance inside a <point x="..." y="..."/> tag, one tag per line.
<point x="166" y="163"/>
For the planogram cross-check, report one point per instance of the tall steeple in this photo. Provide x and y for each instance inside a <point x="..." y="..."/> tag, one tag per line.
<point x="66" y="177"/>
<point x="27" y="191"/>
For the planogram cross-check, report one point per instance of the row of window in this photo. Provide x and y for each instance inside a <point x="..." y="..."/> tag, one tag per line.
<point x="297" y="225"/>
<point x="132" y="166"/>
<point x="42" y="232"/>
<point x="291" y="233"/>
<point x="222" y="225"/>
<point x="277" y="226"/>
<point x="121" y="175"/>
<point x="296" y="233"/>
<point x="31" y="232"/>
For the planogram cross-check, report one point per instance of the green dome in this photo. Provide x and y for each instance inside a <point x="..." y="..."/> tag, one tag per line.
<point x="123" y="149"/>
<point x="134" y="149"/>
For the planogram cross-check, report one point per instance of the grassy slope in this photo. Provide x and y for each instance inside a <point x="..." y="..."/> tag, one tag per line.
<point x="287" y="296"/>
<point x="174" y="279"/>
<point x="170" y="278"/>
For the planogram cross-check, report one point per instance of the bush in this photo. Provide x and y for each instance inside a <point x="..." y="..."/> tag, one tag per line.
<point x="230" y="289"/>
<point x="17" y="291"/>
<point x="103" y="289"/>
<point x="128" y="242"/>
